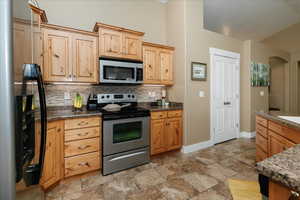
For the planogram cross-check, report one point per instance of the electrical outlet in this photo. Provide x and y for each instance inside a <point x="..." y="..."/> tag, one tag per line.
<point x="262" y="93"/>
<point x="201" y="94"/>
<point x="67" y="96"/>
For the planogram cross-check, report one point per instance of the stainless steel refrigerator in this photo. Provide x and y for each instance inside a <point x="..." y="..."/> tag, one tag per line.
<point x="23" y="116"/>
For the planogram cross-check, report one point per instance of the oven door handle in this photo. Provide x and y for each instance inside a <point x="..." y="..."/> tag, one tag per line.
<point x="128" y="156"/>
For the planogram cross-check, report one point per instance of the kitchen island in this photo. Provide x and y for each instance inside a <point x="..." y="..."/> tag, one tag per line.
<point x="278" y="153"/>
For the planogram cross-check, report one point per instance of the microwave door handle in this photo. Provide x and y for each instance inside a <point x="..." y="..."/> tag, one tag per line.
<point x="135" y="74"/>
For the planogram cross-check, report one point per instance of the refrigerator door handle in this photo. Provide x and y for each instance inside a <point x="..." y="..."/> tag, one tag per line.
<point x="33" y="172"/>
<point x="43" y="113"/>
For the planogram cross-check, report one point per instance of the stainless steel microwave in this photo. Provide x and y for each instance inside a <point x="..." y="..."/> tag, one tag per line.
<point x="119" y="71"/>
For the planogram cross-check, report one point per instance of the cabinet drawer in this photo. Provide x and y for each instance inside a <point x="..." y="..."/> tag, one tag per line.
<point x="82" y="123"/>
<point x="275" y="127"/>
<point x="158" y="115"/>
<point x="262" y="142"/>
<point x="79" y="134"/>
<point x="261" y="121"/>
<point x="260" y="154"/>
<point x="262" y="130"/>
<point x="81" y="146"/>
<point x="81" y="164"/>
<point x="291" y="134"/>
<point x="176" y="113"/>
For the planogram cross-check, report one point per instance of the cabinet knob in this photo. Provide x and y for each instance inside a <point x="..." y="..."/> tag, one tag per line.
<point x="58" y="130"/>
<point x="167" y="70"/>
<point x="83" y="123"/>
<point x="150" y="66"/>
<point x="83" y="134"/>
<point x="56" y="56"/>
<point x="84" y="164"/>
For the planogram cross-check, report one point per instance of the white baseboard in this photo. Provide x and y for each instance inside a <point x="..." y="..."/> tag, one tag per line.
<point x="245" y="134"/>
<point x="197" y="146"/>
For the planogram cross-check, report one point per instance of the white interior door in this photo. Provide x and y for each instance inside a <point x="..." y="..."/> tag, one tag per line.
<point x="225" y="97"/>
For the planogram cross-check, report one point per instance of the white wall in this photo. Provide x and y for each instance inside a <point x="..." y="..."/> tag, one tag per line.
<point x="148" y="16"/>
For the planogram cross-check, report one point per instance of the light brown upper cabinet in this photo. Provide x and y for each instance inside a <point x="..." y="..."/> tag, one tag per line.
<point x="166" y="66"/>
<point x="151" y="67"/>
<point x="85" y="56"/>
<point x="58" y="55"/>
<point x="158" y="64"/>
<point x="21" y="35"/>
<point x="25" y="34"/>
<point x="70" y="55"/>
<point x="110" y="43"/>
<point x="117" y="42"/>
<point x="132" y="46"/>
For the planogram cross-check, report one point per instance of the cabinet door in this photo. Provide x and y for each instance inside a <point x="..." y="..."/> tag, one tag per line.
<point x="174" y="133"/>
<point x="85" y="58"/>
<point x="21" y="34"/>
<point x="132" y="46"/>
<point x="166" y="66"/>
<point x="278" y="143"/>
<point x="158" y="144"/>
<point x="110" y="43"/>
<point x="38" y="47"/>
<point x="58" y="61"/>
<point x="53" y="163"/>
<point x="151" y="67"/>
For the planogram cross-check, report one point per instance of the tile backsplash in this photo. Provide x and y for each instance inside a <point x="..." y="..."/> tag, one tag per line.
<point x="55" y="93"/>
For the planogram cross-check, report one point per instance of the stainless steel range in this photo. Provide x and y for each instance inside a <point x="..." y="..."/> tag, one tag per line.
<point x="125" y="132"/>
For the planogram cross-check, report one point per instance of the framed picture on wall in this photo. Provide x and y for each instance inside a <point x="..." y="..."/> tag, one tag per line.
<point x="199" y="71"/>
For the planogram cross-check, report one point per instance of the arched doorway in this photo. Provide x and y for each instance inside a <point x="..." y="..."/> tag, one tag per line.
<point x="277" y="88"/>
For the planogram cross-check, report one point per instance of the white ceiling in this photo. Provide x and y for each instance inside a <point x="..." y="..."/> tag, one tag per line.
<point x="250" y="19"/>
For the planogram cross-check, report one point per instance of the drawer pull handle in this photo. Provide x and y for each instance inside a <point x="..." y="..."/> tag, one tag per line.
<point x="83" y="123"/>
<point x="83" y="134"/>
<point x="84" y="164"/>
<point x="84" y="147"/>
<point x="128" y="156"/>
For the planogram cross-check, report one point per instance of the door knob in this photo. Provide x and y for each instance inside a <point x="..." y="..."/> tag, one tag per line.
<point x="227" y="103"/>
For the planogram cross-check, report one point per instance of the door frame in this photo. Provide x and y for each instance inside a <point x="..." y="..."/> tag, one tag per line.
<point x="219" y="52"/>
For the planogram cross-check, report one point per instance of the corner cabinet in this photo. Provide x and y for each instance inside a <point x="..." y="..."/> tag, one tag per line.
<point x="166" y="131"/>
<point x="158" y="64"/>
<point x="53" y="162"/>
<point x="70" y="56"/>
<point x="117" y="42"/>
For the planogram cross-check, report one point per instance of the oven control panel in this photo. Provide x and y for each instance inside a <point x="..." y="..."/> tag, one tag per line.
<point x="114" y="98"/>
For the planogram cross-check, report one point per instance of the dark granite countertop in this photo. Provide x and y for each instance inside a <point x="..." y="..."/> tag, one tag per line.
<point x="171" y="106"/>
<point x="283" y="168"/>
<point x="66" y="112"/>
<point x="274" y="116"/>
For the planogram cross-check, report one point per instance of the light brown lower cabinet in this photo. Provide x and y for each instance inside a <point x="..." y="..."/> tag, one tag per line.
<point x="72" y="148"/>
<point x="166" y="131"/>
<point x="82" y="145"/>
<point x="278" y="143"/>
<point x="53" y="163"/>
<point x="280" y="192"/>
<point x="273" y="138"/>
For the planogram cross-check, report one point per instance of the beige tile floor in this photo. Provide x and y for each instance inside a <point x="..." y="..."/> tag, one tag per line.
<point x="200" y="175"/>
